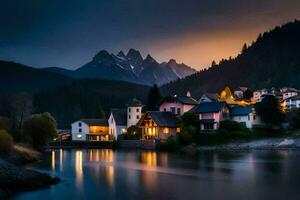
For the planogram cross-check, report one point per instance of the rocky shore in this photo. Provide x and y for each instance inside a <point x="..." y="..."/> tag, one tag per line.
<point x="15" y="179"/>
<point x="261" y="144"/>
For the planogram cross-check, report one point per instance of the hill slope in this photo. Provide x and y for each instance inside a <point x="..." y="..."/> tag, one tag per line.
<point x="16" y="77"/>
<point x="273" y="60"/>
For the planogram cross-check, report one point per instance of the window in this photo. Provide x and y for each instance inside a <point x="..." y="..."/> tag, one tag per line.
<point x="137" y="110"/>
<point x="208" y="126"/>
<point x="80" y="130"/>
<point x="123" y="130"/>
<point x="137" y="117"/>
<point x="166" y="130"/>
<point x="165" y="110"/>
<point x="177" y="130"/>
<point x="129" y="117"/>
<point x="79" y="124"/>
<point x="79" y="136"/>
<point x="178" y="111"/>
<point x="173" y="110"/>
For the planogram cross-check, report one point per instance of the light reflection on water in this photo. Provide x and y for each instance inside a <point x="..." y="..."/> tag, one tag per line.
<point x="108" y="174"/>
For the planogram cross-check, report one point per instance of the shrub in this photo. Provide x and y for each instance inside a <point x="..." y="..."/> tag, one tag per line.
<point x="5" y="124"/>
<point x="39" y="129"/>
<point x="6" y="142"/>
<point x="170" y="145"/>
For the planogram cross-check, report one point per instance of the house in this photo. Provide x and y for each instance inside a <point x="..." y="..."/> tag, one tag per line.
<point x="243" y="115"/>
<point x="121" y="119"/>
<point x="117" y="122"/>
<point x="292" y="102"/>
<point x="289" y="92"/>
<point x="211" y="114"/>
<point x="239" y="92"/>
<point x="159" y="125"/>
<point x="90" y="130"/>
<point x="209" y="97"/>
<point x="177" y="104"/>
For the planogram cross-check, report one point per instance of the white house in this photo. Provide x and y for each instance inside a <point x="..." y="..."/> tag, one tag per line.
<point x="90" y="130"/>
<point x="117" y="122"/>
<point x="243" y="115"/>
<point x="292" y="102"/>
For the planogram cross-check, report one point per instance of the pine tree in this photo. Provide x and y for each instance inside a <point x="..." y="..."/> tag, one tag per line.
<point x="154" y="97"/>
<point x="213" y="63"/>
<point x="244" y="49"/>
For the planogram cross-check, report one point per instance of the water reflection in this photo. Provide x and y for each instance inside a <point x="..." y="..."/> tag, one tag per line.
<point x="149" y="158"/>
<point x="78" y="169"/>
<point x="53" y="160"/>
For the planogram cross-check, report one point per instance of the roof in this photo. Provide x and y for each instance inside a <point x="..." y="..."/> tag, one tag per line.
<point x="294" y="98"/>
<point x="243" y="89"/>
<point x="209" y="107"/>
<point x="134" y="102"/>
<point x="180" y="98"/>
<point x="164" y="119"/>
<point x="120" y="116"/>
<point x="241" y="110"/>
<point x="212" y="96"/>
<point x="95" y="122"/>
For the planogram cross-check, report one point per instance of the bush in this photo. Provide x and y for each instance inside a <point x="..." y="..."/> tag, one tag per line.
<point x="5" y="124"/>
<point x="170" y="145"/>
<point x="6" y="142"/>
<point x="39" y="129"/>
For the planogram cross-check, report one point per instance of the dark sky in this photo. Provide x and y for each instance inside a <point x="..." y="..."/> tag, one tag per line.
<point x="67" y="33"/>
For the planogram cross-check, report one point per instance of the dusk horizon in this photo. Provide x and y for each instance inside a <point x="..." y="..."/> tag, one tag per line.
<point x="68" y="34"/>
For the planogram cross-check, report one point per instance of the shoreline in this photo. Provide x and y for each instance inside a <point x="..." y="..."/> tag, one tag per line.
<point x="287" y="143"/>
<point x="15" y="178"/>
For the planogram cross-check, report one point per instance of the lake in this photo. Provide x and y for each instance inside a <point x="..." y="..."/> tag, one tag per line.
<point x="108" y="174"/>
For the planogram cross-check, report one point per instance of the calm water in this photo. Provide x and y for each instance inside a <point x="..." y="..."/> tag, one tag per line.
<point x="108" y="174"/>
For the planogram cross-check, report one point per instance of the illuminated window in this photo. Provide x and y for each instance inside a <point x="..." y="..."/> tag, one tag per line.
<point x="79" y="136"/>
<point x="177" y="130"/>
<point x="123" y="130"/>
<point x="166" y="130"/>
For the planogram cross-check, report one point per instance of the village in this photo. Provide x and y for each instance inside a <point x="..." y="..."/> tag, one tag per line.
<point x="211" y="109"/>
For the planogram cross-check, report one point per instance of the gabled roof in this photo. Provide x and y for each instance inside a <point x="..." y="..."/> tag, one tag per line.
<point x="95" y="122"/>
<point x="241" y="111"/>
<point x="120" y="116"/>
<point x="162" y="119"/>
<point x="180" y="98"/>
<point x="212" y="96"/>
<point x="209" y="107"/>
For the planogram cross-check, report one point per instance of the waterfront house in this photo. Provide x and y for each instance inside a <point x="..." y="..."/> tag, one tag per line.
<point x="117" y="122"/>
<point x="289" y="92"/>
<point x="159" y="125"/>
<point x="121" y="119"/>
<point x="211" y="114"/>
<point x="90" y="130"/>
<point x="243" y="115"/>
<point x="178" y="104"/>
<point x="209" y="97"/>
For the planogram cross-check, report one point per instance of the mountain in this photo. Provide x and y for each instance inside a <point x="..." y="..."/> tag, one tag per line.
<point x="16" y="77"/>
<point x="273" y="60"/>
<point x="131" y="67"/>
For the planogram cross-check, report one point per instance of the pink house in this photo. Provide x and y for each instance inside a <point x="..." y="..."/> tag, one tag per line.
<point x="211" y="114"/>
<point x="177" y="104"/>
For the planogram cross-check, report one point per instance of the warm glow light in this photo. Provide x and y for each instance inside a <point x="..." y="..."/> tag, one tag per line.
<point x="53" y="160"/>
<point x="166" y="130"/>
<point x="149" y="158"/>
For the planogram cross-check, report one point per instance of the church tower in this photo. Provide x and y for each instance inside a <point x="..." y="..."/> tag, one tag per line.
<point x="134" y="112"/>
